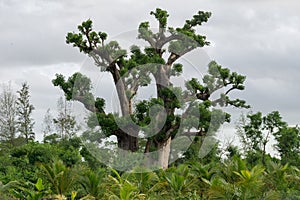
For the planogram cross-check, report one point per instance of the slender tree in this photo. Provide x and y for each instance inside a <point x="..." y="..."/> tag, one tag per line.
<point x="24" y="112"/>
<point x="48" y="126"/>
<point x="8" y="115"/>
<point x="65" y="122"/>
<point x="130" y="71"/>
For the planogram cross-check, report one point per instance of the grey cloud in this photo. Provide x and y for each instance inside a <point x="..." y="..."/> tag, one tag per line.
<point x="257" y="38"/>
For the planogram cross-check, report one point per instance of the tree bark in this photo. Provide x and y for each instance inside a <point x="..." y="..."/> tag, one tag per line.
<point x="163" y="149"/>
<point x="121" y="91"/>
<point x="164" y="153"/>
<point x="163" y="146"/>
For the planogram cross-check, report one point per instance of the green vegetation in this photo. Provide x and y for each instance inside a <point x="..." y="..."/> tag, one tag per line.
<point x="36" y="171"/>
<point x="63" y="167"/>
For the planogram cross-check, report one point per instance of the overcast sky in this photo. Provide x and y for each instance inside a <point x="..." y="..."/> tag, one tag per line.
<point x="257" y="38"/>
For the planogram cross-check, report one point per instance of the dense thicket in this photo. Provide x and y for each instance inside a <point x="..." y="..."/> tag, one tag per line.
<point x="64" y="169"/>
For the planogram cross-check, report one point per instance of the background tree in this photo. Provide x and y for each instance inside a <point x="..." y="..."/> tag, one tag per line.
<point x="24" y="111"/>
<point x="8" y="115"/>
<point x="47" y="127"/>
<point x="255" y="131"/>
<point x="288" y="145"/>
<point x="132" y="70"/>
<point x="65" y="122"/>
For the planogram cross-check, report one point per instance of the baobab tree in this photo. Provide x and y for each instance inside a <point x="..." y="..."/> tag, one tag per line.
<point x="151" y="125"/>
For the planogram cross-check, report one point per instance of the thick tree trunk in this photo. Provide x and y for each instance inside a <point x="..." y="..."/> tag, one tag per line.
<point x="161" y="158"/>
<point x="162" y="78"/>
<point x="164" y="153"/>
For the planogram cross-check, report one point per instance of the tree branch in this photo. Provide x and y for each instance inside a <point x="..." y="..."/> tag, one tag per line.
<point x="162" y="41"/>
<point x="173" y="57"/>
<point x="232" y="88"/>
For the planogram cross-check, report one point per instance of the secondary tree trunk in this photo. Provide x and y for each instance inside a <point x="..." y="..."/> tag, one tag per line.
<point x="128" y="142"/>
